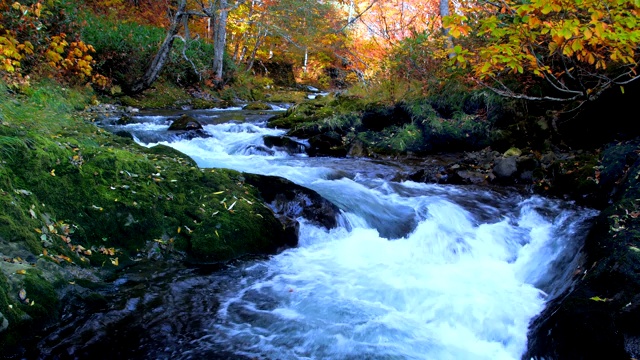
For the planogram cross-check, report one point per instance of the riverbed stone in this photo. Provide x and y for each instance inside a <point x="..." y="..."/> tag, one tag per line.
<point x="290" y="145"/>
<point x="505" y="167"/>
<point x="185" y="122"/>
<point x="292" y="200"/>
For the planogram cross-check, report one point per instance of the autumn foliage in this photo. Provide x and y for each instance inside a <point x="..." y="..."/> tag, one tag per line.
<point x="29" y="41"/>
<point x="578" y="48"/>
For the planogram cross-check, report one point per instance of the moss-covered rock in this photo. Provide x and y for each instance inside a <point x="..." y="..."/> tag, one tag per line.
<point x="257" y="106"/>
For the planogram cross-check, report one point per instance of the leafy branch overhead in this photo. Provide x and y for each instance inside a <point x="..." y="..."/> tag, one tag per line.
<point x="579" y="48"/>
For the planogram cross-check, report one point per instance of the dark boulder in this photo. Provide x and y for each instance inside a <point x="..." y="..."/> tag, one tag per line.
<point x="293" y="201"/>
<point x="286" y="143"/>
<point x="185" y="123"/>
<point x="505" y="168"/>
<point x="327" y="144"/>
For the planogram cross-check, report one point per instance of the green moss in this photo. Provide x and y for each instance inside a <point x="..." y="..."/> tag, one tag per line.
<point x="42" y="304"/>
<point x="257" y="105"/>
<point x="11" y="312"/>
<point x="286" y="96"/>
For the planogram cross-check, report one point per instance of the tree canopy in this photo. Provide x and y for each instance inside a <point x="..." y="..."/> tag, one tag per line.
<point x="553" y="50"/>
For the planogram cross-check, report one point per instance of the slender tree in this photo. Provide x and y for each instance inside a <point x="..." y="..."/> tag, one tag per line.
<point x="153" y="71"/>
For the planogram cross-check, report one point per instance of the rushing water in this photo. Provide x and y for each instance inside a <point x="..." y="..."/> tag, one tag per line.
<point x="415" y="271"/>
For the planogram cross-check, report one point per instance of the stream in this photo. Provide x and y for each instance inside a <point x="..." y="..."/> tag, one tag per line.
<point x="414" y="271"/>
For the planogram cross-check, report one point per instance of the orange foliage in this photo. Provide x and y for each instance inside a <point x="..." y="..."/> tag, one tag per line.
<point x="70" y="62"/>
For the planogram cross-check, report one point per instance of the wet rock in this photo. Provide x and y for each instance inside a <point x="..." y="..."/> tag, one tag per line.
<point x="284" y="142"/>
<point x="125" y="120"/>
<point x="505" y="167"/>
<point x="472" y="177"/>
<point x="293" y="201"/>
<point x="185" y="122"/>
<point x="291" y="230"/>
<point x="4" y="323"/>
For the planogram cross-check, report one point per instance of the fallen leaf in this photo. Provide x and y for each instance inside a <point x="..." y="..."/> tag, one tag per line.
<point x="22" y="294"/>
<point x="114" y="261"/>
<point x="598" y="298"/>
<point x="21" y="272"/>
<point x="53" y="172"/>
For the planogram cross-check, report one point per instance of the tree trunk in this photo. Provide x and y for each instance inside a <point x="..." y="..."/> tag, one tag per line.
<point x="220" y="41"/>
<point x="255" y="49"/>
<point x="448" y="39"/>
<point x="153" y="71"/>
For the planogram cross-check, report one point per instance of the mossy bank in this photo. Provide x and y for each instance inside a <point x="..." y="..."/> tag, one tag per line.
<point x="79" y="203"/>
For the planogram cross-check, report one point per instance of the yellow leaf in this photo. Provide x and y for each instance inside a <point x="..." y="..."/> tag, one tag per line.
<point x="21" y="272"/>
<point x="53" y="172"/>
<point x="115" y="261"/>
